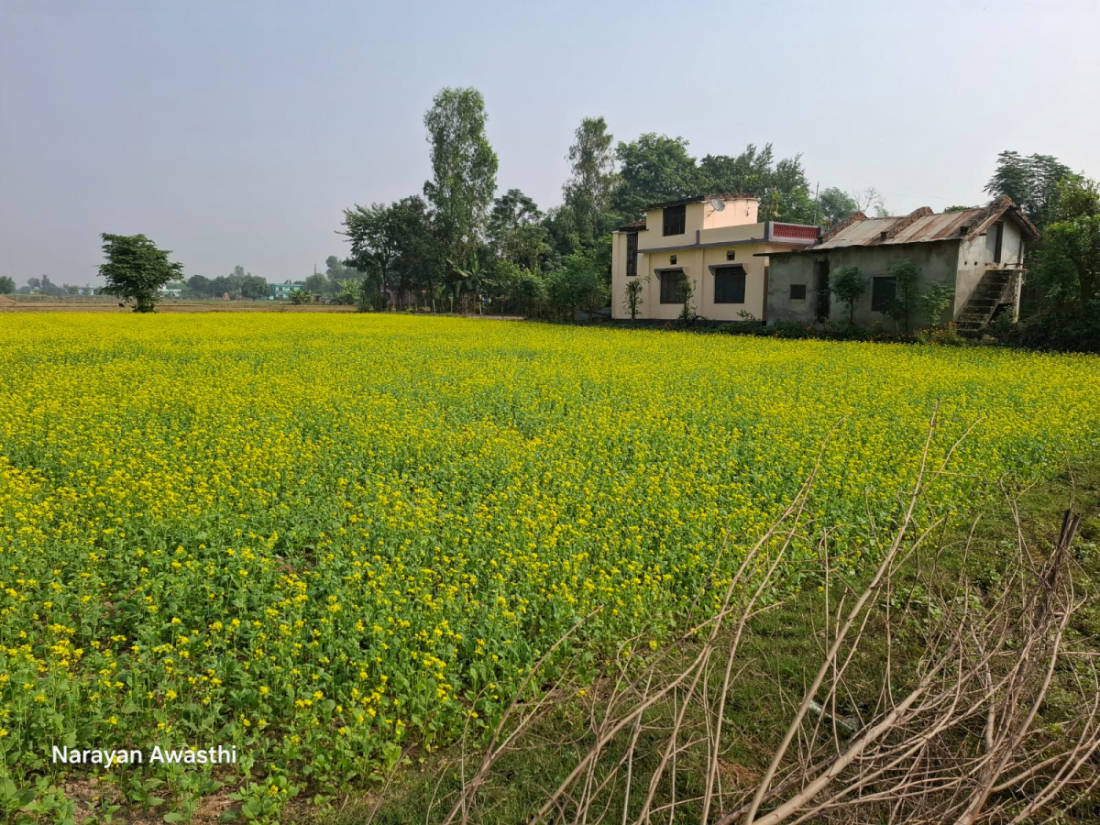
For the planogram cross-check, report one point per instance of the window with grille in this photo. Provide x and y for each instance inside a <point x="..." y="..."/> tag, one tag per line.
<point x="675" y="220"/>
<point x="670" y="286"/>
<point x="729" y="284"/>
<point x="798" y="292"/>
<point x="632" y="254"/>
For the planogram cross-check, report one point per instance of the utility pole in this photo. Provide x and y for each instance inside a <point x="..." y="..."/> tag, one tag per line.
<point x="817" y="200"/>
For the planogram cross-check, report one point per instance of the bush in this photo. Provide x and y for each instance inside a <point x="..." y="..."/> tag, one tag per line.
<point x="1075" y="331"/>
<point x="577" y="286"/>
<point x="844" y="331"/>
<point x="791" y="329"/>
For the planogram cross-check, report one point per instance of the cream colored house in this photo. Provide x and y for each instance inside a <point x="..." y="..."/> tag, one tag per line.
<point x="714" y="241"/>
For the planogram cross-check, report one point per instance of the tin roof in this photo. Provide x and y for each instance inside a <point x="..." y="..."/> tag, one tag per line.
<point x="923" y="226"/>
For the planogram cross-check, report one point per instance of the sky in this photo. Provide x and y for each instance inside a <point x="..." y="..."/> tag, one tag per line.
<point x="237" y="131"/>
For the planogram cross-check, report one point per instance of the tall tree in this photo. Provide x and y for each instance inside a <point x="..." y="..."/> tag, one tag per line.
<point x="515" y="230"/>
<point x="1031" y="182"/>
<point x="464" y="169"/>
<point x="136" y="269"/>
<point x="653" y="168"/>
<point x="588" y="191"/>
<point x="7" y="285"/>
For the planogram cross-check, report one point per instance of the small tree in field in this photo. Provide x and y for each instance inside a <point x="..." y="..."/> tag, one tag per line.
<point x="7" y="285"/>
<point x="937" y="301"/>
<point x="632" y="300"/>
<point x="136" y="269"/>
<point x="848" y="287"/>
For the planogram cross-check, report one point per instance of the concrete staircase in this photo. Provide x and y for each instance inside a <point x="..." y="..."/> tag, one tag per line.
<point x="996" y="289"/>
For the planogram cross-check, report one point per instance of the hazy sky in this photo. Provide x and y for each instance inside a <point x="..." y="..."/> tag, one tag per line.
<point x="236" y="132"/>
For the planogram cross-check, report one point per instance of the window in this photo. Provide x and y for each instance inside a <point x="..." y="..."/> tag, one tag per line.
<point x="883" y="291"/>
<point x="999" y="240"/>
<point x="670" y="286"/>
<point x="675" y="220"/>
<point x="632" y="254"/>
<point x="672" y="259"/>
<point x="729" y="284"/>
<point x="798" y="292"/>
<point x="731" y="254"/>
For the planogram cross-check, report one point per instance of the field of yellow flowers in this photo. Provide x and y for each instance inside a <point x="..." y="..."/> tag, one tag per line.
<point x="320" y="538"/>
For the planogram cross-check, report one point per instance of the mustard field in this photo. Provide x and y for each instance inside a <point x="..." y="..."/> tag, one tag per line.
<point x="322" y="538"/>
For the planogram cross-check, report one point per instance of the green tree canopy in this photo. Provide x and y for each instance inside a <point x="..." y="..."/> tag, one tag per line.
<point x="781" y="186"/>
<point x="1067" y="265"/>
<point x="7" y="285"/>
<point x="1031" y="182"/>
<point x="515" y="230"/>
<point x="318" y="284"/>
<point x="254" y="287"/>
<point x="136" y="269"/>
<point x="395" y="246"/>
<point x="652" y="169"/>
<point x="834" y="205"/>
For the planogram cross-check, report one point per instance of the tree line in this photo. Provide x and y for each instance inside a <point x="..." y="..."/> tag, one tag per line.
<point x="460" y="244"/>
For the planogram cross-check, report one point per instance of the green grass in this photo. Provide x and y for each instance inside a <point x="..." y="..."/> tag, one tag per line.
<point x="784" y="649"/>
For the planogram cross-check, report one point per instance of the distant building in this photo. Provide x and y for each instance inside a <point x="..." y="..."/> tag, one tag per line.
<point x="171" y="291"/>
<point x="283" y="290"/>
<point x="713" y="241"/>
<point x="978" y="252"/>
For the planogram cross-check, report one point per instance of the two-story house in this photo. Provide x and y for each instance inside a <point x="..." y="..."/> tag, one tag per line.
<point x="713" y="241"/>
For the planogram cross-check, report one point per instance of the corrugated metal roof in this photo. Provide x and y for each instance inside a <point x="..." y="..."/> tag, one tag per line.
<point x="922" y="226"/>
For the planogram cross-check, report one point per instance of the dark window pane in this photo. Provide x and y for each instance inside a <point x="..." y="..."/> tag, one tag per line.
<point x="670" y="287"/>
<point x="883" y="292"/>
<point x="632" y="254"/>
<point x="675" y="220"/>
<point x="729" y="284"/>
<point x="798" y="292"/>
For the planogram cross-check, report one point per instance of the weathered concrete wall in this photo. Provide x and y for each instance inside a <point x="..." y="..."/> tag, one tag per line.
<point x="976" y="257"/>
<point x="937" y="263"/>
